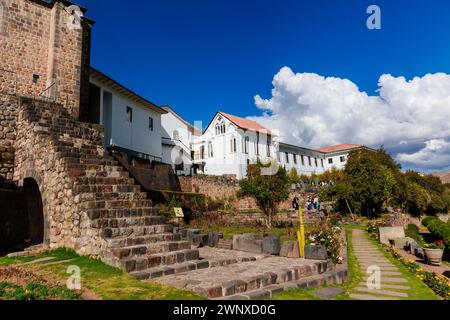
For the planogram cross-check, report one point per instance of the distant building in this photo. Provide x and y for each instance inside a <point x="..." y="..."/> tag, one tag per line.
<point x="229" y="143"/>
<point x="336" y="156"/>
<point x="177" y="137"/>
<point x="132" y="123"/>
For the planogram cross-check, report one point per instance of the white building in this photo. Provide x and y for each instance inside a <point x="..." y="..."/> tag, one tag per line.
<point x="132" y="123"/>
<point x="177" y="137"/>
<point x="305" y="161"/>
<point x="229" y="143"/>
<point x="336" y="156"/>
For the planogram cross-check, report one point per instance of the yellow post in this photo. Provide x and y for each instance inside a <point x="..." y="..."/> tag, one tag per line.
<point x="301" y="235"/>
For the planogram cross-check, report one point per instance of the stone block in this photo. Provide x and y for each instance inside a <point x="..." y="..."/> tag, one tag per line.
<point x="402" y="243"/>
<point x="248" y="243"/>
<point x="388" y="233"/>
<point x="290" y="250"/>
<point x="213" y="239"/>
<point x="316" y="252"/>
<point x="271" y="244"/>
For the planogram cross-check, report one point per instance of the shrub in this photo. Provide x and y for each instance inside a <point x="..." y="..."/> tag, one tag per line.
<point x="412" y="231"/>
<point x="440" y="230"/>
<point x="328" y="236"/>
<point x="427" y="220"/>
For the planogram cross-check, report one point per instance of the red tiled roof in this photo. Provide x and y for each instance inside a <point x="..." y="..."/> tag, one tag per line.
<point x="339" y="147"/>
<point x="246" y="123"/>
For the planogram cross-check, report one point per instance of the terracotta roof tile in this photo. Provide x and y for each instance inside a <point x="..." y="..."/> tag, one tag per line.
<point x="339" y="147"/>
<point x="245" y="123"/>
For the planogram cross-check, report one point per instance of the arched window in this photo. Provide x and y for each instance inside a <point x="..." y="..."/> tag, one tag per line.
<point x="176" y="135"/>
<point x="233" y="144"/>
<point x="220" y="126"/>
<point x="246" y="144"/>
<point x="210" y="150"/>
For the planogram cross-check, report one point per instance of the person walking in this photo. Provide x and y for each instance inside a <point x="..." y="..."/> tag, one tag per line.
<point x="295" y="204"/>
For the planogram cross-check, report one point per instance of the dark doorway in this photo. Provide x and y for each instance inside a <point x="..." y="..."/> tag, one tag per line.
<point x="94" y="104"/>
<point x="34" y="212"/>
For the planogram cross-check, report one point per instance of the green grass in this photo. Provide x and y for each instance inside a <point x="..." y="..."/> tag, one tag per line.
<point x="108" y="282"/>
<point x="418" y="291"/>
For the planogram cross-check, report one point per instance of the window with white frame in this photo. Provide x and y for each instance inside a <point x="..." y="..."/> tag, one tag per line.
<point x="210" y="150"/>
<point x="309" y="161"/>
<point x="287" y="157"/>
<point x="220" y="126"/>
<point x="295" y="158"/>
<point x="321" y="162"/>
<point x="330" y="160"/>
<point x="342" y="158"/>
<point x="315" y="162"/>
<point x="246" y="144"/>
<point x="269" y="143"/>
<point x="303" y="159"/>
<point x="176" y="135"/>
<point x="233" y="145"/>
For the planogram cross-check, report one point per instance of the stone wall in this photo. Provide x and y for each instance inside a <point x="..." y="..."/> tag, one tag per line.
<point x="8" y="118"/>
<point x="223" y="188"/>
<point x="36" y="39"/>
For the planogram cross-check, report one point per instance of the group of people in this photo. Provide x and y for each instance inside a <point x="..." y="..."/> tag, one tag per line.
<point x="312" y="204"/>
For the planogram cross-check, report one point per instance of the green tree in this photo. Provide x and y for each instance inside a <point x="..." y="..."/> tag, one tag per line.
<point x="267" y="190"/>
<point x="293" y="176"/>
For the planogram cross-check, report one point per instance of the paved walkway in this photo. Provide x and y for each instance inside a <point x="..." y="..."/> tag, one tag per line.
<point x="393" y="285"/>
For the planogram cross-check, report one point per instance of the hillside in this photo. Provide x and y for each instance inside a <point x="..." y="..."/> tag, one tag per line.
<point x="445" y="176"/>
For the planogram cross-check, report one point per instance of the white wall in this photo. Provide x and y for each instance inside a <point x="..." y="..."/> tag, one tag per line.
<point x="224" y="160"/>
<point x="170" y="123"/>
<point x="302" y="168"/>
<point x="337" y="163"/>
<point x="136" y="135"/>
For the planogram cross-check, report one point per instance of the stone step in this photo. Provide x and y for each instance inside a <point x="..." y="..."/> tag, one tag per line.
<point x="128" y="222"/>
<point x="98" y="174"/>
<point x="64" y="155"/>
<point x="157" y="260"/>
<point x="97" y="150"/>
<point x="114" y="204"/>
<point x="222" y="281"/>
<point x="103" y="181"/>
<point x="176" y="268"/>
<point x="381" y="292"/>
<point x="91" y="196"/>
<point x="388" y="286"/>
<point x="138" y="240"/>
<point x="94" y="214"/>
<point x="108" y="188"/>
<point x="103" y="162"/>
<point x="150" y="249"/>
<point x="91" y="167"/>
<point x="390" y="279"/>
<point x="135" y="231"/>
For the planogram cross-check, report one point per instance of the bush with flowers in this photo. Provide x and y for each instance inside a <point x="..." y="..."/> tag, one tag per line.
<point x="435" y="245"/>
<point x="373" y="226"/>
<point x="330" y="237"/>
<point x="439" y="284"/>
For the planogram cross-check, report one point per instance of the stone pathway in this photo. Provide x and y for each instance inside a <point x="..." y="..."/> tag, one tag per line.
<point x="393" y="285"/>
<point x="235" y="275"/>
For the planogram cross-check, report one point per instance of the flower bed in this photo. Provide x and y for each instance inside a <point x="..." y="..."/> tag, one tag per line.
<point x="328" y="236"/>
<point x="439" y="284"/>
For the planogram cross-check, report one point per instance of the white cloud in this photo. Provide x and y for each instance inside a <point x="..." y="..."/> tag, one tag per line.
<point x="435" y="154"/>
<point x="314" y="111"/>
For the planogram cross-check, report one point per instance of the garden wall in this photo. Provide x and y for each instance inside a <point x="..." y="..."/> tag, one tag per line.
<point x="222" y="188"/>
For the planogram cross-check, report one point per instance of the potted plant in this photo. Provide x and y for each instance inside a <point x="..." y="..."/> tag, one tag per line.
<point x="434" y="251"/>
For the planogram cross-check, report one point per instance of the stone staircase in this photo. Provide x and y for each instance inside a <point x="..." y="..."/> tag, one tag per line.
<point x="135" y="238"/>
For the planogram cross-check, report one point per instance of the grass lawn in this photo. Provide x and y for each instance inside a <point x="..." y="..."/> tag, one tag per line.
<point x="107" y="282"/>
<point x="418" y="291"/>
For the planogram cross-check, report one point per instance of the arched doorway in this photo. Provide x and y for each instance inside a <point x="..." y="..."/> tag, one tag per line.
<point x="34" y="212"/>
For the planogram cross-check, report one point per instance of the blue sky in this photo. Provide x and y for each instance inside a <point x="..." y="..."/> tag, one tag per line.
<point x="200" y="56"/>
